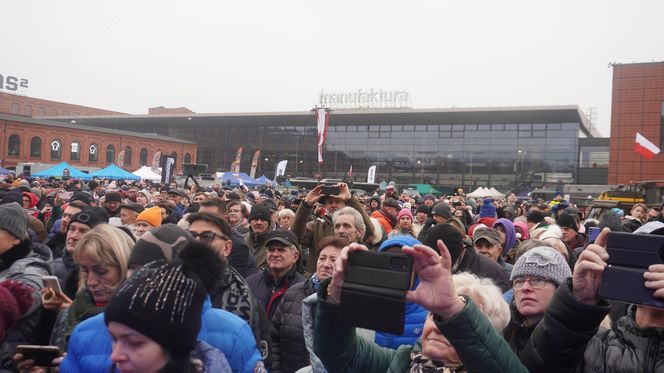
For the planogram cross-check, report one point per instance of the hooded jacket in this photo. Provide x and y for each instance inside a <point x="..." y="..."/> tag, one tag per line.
<point x="568" y="338"/>
<point x="256" y="244"/>
<point x="90" y="345"/>
<point x="26" y="262"/>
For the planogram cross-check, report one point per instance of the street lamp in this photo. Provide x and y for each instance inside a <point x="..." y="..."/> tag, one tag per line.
<point x="419" y="161"/>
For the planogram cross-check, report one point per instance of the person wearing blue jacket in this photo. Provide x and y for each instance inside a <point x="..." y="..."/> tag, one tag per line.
<point x="90" y="345"/>
<point x="415" y="315"/>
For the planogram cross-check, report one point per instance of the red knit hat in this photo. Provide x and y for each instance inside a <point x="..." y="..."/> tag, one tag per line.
<point x="15" y="301"/>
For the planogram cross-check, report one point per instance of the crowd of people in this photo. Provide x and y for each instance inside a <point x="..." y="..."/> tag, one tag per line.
<point x="163" y="278"/>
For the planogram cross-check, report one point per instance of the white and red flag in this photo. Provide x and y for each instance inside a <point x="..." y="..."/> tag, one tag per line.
<point x="322" y="117"/>
<point x="645" y="147"/>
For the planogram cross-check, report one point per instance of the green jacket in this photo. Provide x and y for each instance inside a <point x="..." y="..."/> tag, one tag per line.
<point x="478" y="344"/>
<point x="309" y="233"/>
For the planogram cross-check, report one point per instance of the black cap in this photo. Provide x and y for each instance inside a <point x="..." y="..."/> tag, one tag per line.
<point x="284" y="236"/>
<point x="81" y="196"/>
<point x="535" y="217"/>
<point x="391" y="202"/>
<point x="568" y="221"/>
<point x="260" y="212"/>
<point x="90" y="216"/>
<point x="175" y="192"/>
<point x="137" y="207"/>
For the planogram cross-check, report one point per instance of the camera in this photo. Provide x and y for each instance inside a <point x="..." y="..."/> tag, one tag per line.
<point x="330" y="190"/>
<point x="629" y="257"/>
<point x="374" y="290"/>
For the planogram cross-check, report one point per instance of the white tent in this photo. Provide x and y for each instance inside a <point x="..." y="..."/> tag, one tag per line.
<point x="146" y="173"/>
<point x="495" y="193"/>
<point x="478" y="193"/>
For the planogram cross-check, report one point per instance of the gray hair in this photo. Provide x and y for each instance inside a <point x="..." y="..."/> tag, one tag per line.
<point x="359" y="222"/>
<point x="285" y="212"/>
<point x="487" y="297"/>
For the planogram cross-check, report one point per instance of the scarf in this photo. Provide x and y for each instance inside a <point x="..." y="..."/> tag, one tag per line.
<point x="83" y="307"/>
<point x="19" y="251"/>
<point x="420" y="364"/>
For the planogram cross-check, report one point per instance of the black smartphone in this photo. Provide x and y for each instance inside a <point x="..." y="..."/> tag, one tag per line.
<point x="629" y="257"/>
<point x="330" y="190"/>
<point x="373" y="294"/>
<point x="42" y="355"/>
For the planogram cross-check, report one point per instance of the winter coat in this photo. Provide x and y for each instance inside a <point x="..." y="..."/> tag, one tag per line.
<point x="517" y="333"/>
<point x="384" y="221"/>
<point x="568" y="338"/>
<point x="234" y="296"/>
<point x="482" y="266"/>
<point x="26" y="263"/>
<point x="286" y="330"/>
<point x="90" y="345"/>
<point x="309" y="233"/>
<point x="476" y="341"/>
<point x="631" y="224"/>
<point x="213" y="360"/>
<point x="239" y="257"/>
<point x="57" y="244"/>
<point x="268" y="291"/>
<point x="66" y="270"/>
<point x="309" y="305"/>
<point x="414" y="319"/>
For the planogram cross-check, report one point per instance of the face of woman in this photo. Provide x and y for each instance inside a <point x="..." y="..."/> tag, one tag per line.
<point x="99" y="279"/>
<point x="405" y="221"/>
<point x="133" y="352"/>
<point x="501" y="232"/>
<point x="140" y="198"/>
<point x="435" y="346"/>
<point x="531" y="302"/>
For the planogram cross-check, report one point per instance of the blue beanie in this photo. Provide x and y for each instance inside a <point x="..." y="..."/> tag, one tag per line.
<point x="488" y="210"/>
<point x="399" y="241"/>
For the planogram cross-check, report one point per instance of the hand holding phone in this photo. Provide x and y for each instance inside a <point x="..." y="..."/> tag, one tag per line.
<point x="39" y="356"/>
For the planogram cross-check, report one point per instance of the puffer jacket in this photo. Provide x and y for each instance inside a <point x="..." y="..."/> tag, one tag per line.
<point x="234" y="296"/>
<point x="309" y="233"/>
<point x="268" y="291"/>
<point x="213" y="360"/>
<point x="26" y="263"/>
<point x="90" y="345"/>
<point x="309" y="305"/>
<point x="286" y="330"/>
<point x="568" y="338"/>
<point x="478" y="344"/>
<point x="414" y="319"/>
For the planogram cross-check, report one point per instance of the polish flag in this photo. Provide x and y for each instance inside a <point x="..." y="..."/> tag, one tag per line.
<point x="645" y="147"/>
<point x="322" y="118"/>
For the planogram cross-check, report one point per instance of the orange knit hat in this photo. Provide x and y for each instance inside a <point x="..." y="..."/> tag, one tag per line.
<point x="152" y="216"/>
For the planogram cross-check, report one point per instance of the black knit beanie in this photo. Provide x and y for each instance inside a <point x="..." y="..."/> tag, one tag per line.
<point x="163" y="304"/>
<point x="159" y="243"/>
<point x="450" y="237"/>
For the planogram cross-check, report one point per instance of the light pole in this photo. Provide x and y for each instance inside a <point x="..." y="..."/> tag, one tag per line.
<point x="419" y="161"/>
<point x="516" y="167"/>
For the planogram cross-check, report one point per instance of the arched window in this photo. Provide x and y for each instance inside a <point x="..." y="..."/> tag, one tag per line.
<point x="93" y="152"/>
<point x="56" y="149"/>
<point x="35" y="147"/>
<point x="110" y="154"/>
<point x="75" y="154"/>
<point x="14" y="145"/>
<point x="143" y="157"/>
<point x="127" y="157"/>
<point x="187" y="158"/>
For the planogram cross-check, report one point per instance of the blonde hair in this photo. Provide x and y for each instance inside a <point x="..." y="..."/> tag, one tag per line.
<point x="106" y="245"/>
<point x="285" y="212"/>
<point x="487" y="297"/>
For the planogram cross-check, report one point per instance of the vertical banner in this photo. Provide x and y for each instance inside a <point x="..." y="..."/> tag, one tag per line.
<point x="322" y="118"/>
<point x="156" y="161"/>
<point x="371" y="175"/>
<point x="121" y="157"/>
<point x="235" y="167"/>
<point x="281" y="169"/>
<point x="167" y="168"/>
<point x="254" y="164"/>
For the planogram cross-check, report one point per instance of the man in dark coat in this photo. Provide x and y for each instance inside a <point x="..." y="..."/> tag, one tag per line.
<point x="270" y="285"/>
<point x="286" y="331"/>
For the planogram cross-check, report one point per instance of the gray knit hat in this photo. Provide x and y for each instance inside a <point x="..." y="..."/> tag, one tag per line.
<point x="14" y="220"/>
<point x="542" y="261"/>
<point x="163" y="242"/>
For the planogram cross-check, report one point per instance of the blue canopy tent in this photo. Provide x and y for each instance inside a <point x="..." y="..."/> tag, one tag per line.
<point x="232" y="178"/>
<point x="263" y="180"/>
<point x="4" y="171"/>
<point x="114" y="172"/>
<point x="58" y="171"/>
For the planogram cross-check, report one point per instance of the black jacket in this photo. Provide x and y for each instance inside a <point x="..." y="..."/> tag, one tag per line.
<point x="517" y="333"/>
<point x="289" y="352"/>
<point x="268" y="291"/>
<point x="57" y="244"/>
<point x="240" y="259"/>
<point x="484" y="267"/>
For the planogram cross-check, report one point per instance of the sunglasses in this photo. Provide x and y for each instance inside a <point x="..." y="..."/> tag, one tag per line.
<point x="208" y="237"/>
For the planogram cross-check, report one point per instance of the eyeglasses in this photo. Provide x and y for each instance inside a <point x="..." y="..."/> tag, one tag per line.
<point x="535" y="282"/>
<point x="208" y="237"/>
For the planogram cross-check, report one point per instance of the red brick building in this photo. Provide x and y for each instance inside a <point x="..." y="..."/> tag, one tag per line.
<point x="637" y="106"/>
<point x="27" y="139"/>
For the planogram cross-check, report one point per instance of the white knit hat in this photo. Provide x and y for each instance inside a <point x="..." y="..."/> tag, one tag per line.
<point x="542" y="261"/>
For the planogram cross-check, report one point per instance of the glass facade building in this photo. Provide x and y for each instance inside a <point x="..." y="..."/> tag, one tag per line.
<point x="501" y="147"/>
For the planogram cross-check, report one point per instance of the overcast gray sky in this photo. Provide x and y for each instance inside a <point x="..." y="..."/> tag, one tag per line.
<point x="246" y="56"/>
